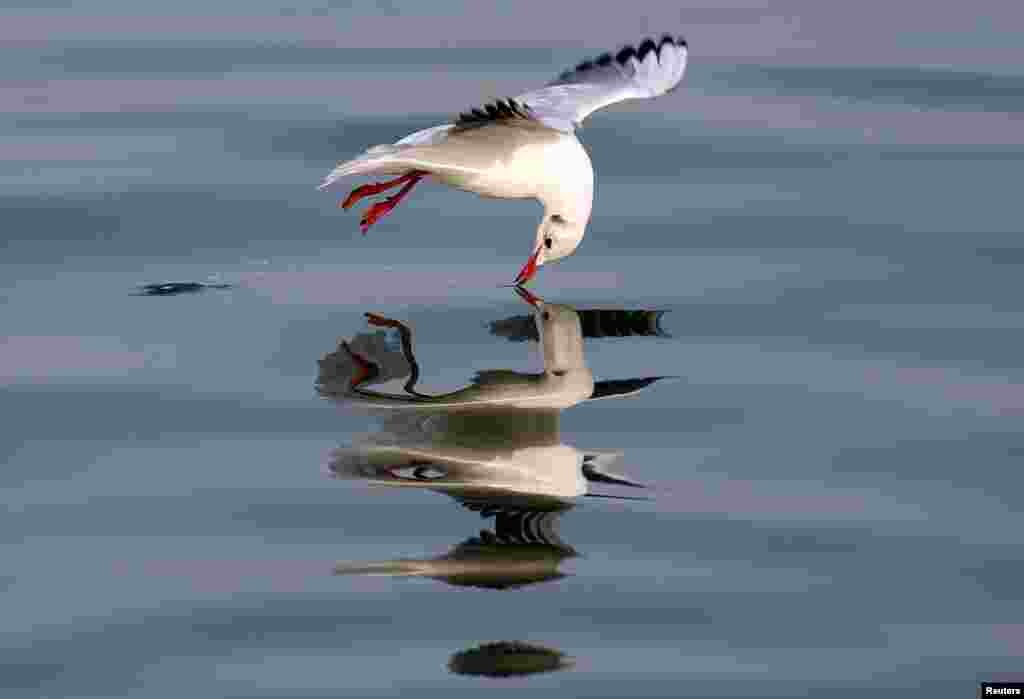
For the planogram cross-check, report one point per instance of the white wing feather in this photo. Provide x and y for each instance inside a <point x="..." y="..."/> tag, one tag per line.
<point x="649" y="70"/>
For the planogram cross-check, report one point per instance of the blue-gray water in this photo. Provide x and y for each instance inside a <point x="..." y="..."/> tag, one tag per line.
<point x="834" y="232"/>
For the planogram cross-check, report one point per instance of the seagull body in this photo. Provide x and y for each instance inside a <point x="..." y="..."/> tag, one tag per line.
<point x="523" y="147"/>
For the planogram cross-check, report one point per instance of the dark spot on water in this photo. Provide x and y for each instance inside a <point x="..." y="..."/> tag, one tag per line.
<point x="175" y="288"/>
<point x="507" y="659"/>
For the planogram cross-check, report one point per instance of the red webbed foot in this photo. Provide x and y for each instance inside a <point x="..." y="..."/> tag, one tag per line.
<point x="382" y="208"/>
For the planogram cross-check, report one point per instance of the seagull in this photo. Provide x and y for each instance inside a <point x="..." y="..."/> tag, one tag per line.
<point x="523" y="147"/>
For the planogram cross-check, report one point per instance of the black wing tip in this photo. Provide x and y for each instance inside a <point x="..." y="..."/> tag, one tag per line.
<point x="641" y="50"/>
<point x="669" y="40"/>
<point x="622" y="56"/>
<point x="675" y="41"/>
<point x="499" y="110"/>
<point x="645" y="47"/>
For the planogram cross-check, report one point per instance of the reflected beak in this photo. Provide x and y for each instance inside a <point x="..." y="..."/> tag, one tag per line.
<point x="528" y="297"/>
<point x="530" y="268"/>
<point x="363" y="369"/>
<point x="381" y="321"/>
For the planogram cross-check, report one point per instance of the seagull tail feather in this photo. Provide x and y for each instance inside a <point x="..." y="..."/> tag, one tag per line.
<point x="386" y="159"/>
<point x="379" y="160"/>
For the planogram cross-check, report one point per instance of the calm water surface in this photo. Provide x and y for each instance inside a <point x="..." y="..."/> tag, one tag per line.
<point x="193" y="483"/>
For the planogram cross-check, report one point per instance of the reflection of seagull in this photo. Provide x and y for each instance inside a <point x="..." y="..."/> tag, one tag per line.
<point x="494" y="447"/>
<point x="524" y="147"/>
<point x="496" y="439"/>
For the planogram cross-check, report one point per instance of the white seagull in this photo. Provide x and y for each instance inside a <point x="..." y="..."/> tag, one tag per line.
<point x="523" y="147"/>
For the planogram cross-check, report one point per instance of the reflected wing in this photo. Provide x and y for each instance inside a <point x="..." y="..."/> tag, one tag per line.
<point x="648" y="70"/>
<point x="617" y="388"/>
<point x="597" y="469"/>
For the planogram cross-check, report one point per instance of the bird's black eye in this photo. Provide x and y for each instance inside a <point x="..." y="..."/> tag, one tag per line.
<point x="557" y="218"/>
<point x="548" y="243"/>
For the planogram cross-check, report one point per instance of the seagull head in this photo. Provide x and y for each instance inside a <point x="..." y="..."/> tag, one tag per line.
<point x="557" y="237"/>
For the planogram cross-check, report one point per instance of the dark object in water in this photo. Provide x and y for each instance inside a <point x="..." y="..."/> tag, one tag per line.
<point x="594" y="322"/>
<point x="175" y="288"/>
<point x="508" y="659"/>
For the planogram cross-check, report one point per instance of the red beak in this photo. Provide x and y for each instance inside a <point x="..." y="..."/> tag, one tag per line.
<point x="364" y="369"/>
<point x="528" y="297"/>
<point x="374" y="319"/>
<point x="529" y="269"/>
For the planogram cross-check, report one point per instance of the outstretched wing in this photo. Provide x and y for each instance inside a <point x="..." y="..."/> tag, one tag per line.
<point x="648" y="70"/>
